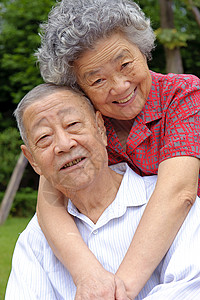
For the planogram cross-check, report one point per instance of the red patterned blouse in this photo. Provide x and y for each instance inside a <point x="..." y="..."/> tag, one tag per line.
<point x="168" y="125"/>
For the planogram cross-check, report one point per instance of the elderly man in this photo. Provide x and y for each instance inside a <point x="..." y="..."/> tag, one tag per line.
<point x="65" y="141"/>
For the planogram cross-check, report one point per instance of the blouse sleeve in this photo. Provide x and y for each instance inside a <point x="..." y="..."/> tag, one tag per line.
<point x="181" y="121"/>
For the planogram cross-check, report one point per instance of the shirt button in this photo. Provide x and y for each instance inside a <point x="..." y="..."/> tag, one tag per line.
<point x="95" y="231"/>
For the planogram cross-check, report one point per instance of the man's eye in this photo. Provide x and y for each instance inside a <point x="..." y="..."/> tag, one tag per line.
<point x="44" y="141"/>
<point x="73" y="124"/>
<point x="74" y="127"/>
<point x="43" y="137"/>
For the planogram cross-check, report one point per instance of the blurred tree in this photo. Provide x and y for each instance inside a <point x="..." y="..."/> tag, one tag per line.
<point x="171" y="39"/>
<point x="192" y="5"/>
<point x="186" y="34"/>
<point x="19" y="25"/>
<point x="9" y="151"/>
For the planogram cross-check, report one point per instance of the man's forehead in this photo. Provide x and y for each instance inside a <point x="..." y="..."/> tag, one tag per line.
<point x="64" y="103"/>
<point x="66" y="99"/>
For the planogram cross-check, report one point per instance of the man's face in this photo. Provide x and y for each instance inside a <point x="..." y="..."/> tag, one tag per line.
<point x="66" y="140"/>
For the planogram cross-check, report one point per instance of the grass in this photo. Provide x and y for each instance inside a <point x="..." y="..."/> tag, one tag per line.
<point x="9" y="233"/>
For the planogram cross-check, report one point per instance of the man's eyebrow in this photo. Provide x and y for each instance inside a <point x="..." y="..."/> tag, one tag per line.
<point x="37" y="124"/>
<point x="113" y="60"/>
<point x="67" y="110"/>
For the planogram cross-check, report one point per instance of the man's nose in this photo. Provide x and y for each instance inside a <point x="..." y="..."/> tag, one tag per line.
<point x="64" y="142"/>
<point x="119" y="85"/>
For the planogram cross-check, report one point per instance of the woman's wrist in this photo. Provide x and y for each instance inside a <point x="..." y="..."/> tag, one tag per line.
<point x="132" y="283"/>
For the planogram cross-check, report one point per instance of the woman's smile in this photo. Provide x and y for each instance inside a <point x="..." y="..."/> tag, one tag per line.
<point x="127" y="99"/>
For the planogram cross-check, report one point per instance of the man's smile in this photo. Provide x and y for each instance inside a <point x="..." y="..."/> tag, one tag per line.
<point x="72" y="163"/>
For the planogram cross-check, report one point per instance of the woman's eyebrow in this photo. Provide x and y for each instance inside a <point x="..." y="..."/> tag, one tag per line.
<point x="122" y="54"/>
<point x="91" y="73"/>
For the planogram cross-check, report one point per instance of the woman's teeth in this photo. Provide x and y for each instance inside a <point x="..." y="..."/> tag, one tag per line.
<point x="126" y="99"/>
<point x="72" y="163"/>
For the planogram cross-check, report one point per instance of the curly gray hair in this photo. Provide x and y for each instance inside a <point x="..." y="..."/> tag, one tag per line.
<point x="75" y="26"/>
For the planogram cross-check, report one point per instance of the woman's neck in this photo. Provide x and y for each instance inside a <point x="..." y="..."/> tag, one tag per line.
<point x="122" y="129"/>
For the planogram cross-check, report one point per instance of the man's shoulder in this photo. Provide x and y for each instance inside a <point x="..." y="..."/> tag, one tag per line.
<point x="32" y="232"/>
<point x="33" y="225"/>
<point x="135" y="184"/>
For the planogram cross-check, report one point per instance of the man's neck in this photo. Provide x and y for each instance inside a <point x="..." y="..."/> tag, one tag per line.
<point x="95" y="198"/>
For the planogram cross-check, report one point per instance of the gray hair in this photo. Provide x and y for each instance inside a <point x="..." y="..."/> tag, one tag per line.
<point x="37" y="94"/>
<point x="75" y="26"/>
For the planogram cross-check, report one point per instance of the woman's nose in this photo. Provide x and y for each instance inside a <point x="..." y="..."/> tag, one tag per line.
<point x="64" y="142"/>
<point x="119" y="85"/>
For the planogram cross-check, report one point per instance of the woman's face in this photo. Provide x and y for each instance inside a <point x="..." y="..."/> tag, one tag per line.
<point x="115" y="76"/>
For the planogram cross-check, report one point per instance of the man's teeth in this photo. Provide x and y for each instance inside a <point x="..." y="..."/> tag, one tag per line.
<point x="72" y="163"/>
<point x="126" y="99"/>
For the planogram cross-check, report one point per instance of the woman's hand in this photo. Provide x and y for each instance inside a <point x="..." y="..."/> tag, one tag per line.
<point x="100" y="285"/>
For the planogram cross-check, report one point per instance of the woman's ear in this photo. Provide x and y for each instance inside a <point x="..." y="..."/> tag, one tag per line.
<point x="29" y="156"/>
<point x="101" y="127"/>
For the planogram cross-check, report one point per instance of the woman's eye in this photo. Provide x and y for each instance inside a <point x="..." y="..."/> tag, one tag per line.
<point x="125" y="64"/>
<point x="97" y="81"/>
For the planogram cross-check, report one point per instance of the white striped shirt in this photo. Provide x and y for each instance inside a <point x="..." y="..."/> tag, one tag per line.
<point x="37" y="274"/>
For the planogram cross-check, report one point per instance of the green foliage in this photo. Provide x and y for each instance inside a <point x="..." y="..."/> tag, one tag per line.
<point x="9" y="151"/>
<point x="19" y="21"/>
<point x="189" y="3"/>
<point x="6" y="122"/>
<point x="172" y="38"/>
<point x="187" y="34"/>
<point x="24" y="204"/>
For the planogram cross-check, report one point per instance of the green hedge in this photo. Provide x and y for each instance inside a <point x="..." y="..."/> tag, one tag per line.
<point x="9" y="152"/>
<point x="24" y="204"/>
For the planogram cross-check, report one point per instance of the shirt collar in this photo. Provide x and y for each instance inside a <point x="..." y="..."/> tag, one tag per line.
<point x="153" y="109"/>
<point x="132" y="188"/>
<point x="132" y="193"/>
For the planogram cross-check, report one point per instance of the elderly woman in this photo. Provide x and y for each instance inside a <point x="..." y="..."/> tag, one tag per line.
<point x="152" y="122"/>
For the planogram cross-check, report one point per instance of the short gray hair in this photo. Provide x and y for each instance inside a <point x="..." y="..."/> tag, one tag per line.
<point x="37" y="94"/>
<point x="75" y="26"/>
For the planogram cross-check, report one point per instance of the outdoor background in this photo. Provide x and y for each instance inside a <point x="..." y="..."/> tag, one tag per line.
<point x="177" y="26"/>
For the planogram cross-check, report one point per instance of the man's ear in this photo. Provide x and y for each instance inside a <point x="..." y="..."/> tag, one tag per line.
<point x="101" y="127"/>
<point x="30" y="158"/>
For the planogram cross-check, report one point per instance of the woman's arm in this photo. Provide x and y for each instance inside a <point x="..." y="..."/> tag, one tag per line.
<point x="174" y="194"/>
<point x="91" y="279"/>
